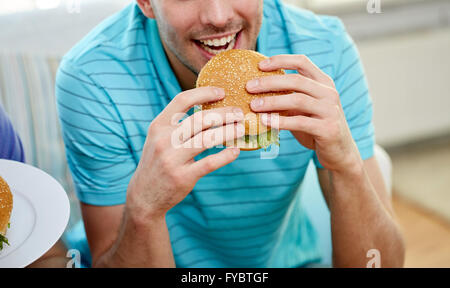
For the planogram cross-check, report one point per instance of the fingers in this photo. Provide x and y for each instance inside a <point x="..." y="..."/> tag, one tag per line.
<point x="289" y="82"/>
<point x="204" y="120"/>
<point x="297" y="123"/>
<point x="297" y="102"/>
<point x="213" y="162"/>
<point x="210" y="138"/>
<point x="184" y="101"/>
<point x="301" y="63"/>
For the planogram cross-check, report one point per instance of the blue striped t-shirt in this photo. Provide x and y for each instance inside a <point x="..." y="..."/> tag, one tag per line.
<point x="116" y="80"/>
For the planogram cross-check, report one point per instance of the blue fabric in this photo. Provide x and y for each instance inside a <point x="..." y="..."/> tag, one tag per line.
<point x="75" y="238"/>
<point x="317" y="210"/>
<point x="10" y="144"/>
<point x="113" y="83"/>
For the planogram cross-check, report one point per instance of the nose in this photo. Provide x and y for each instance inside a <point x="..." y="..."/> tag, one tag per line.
<point x="217" y="12"/>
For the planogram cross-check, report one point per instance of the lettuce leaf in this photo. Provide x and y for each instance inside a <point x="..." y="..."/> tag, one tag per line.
<point x="269" y="138"/>
<point x="264" y="140"/>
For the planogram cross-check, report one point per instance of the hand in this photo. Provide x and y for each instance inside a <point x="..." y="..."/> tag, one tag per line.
<point x="167" y="171"/>
<point x="313" y="111"/>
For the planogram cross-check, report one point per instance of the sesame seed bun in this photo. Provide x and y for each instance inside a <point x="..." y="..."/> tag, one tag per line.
<point x="6" y="205"/>
<point x="231" y="70"/>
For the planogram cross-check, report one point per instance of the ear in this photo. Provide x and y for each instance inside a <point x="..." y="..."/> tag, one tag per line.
<point x="146" y="8"/>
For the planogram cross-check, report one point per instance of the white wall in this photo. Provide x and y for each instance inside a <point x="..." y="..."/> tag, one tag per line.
<point x="53" y="32"/>
<point x="409" y="78"/>
<point x="405" y="50"/>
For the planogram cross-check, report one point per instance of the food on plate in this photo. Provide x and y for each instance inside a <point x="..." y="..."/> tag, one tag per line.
<point x="6" y="205"/>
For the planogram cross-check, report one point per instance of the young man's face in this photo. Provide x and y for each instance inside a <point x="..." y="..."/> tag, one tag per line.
<point x="195" y="30"/>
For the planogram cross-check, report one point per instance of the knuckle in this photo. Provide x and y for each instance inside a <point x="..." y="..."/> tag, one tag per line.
<point x="183" y="98"/>
<point x="329" y="79"/>
<point x="297" y="100"/>
<point x="335" y="95"/>
<point x="159" y="145"/>
<point x="177" y="118"/>
<point x="299" y="80"/>
<point x="152" y="128"/>
<point x="337" y="109"/>
<point x="302" y="58"/>
<point x="334" y="111"/>
<point x="177" y="179"/>
<point x="208" y="166"/>
<point x="166" y="165"/>
<point x="306" y="83"/>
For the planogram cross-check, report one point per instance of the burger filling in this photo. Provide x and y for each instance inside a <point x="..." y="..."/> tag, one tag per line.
<point x="263" y="140"/>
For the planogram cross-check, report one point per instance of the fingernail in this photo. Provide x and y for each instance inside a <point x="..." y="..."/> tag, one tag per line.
<point x="253" y="84"/>
<point x="236" y="151"/>
<point x="219" y="92"/>
<point x="256" y="103"/>
<point x="264" y="63"/>
<point x="238" y="112"/>
<point x="265" y="119"/>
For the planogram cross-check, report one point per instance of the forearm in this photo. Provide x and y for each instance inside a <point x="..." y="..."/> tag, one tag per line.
<point x="360" y="222"/>
<point x="140" y="243"/>
<point x="53" y="258"/>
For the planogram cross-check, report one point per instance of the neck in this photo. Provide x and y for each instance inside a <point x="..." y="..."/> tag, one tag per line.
<point x="186" y="78"/>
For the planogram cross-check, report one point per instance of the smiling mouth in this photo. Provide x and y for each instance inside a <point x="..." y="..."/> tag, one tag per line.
<point x="215" y="46"/>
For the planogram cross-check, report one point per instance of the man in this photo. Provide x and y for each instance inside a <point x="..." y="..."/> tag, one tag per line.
<point x="11" y="148"/>
<point x="146" y="203"/>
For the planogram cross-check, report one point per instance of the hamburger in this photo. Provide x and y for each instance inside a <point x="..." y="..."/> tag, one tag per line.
<point x="231" y="70"/>
<point x="6" y="204"/>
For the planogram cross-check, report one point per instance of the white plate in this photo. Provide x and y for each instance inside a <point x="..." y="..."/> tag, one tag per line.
<point x="39" y="217"/>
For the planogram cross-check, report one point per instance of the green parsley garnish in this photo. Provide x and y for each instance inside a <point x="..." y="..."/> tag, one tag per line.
<point x="3" y="239"/>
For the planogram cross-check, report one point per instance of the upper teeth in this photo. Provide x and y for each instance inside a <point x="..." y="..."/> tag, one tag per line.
<point x="218" y="42"/>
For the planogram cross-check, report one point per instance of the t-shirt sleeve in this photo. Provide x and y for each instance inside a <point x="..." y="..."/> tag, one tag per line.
<point x="351" y="83"/>
<point x="97" y="148"/>
<point x="10" y="145"/>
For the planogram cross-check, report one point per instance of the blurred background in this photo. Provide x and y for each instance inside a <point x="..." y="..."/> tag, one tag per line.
<point x="404" y="46"/>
